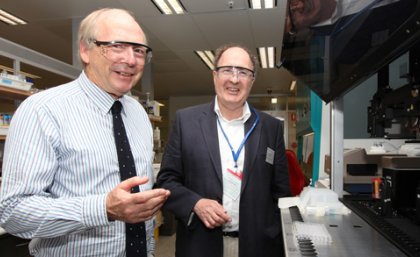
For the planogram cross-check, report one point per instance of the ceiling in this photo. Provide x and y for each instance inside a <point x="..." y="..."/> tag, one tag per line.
<point x="175" y="69"/>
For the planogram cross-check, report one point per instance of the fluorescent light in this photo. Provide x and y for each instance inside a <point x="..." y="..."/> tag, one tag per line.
<point x="10" y="19"/>
<point x="267" y="56"/>
<point x="292" y="85"/>
<point x="262" y="4"/>
<point x="210" y="55"/>
<point x="263" y="57"/>
<point x="207" y="57"/>
<point x="256" y="4"/>
<point x="274" y="100"/>
<point x="268" y="4"/>
<point x="7" y="21"/>
<point x="176" y="6"/>
<point x="169" y="6"/>
<point x="270" y="57"/>
<point x="163" y="6"/>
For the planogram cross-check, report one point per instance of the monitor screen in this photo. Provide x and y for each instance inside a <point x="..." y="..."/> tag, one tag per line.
<point x="334" y="45"/>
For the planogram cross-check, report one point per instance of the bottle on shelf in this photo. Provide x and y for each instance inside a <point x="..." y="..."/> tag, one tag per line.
<point x="156" y="138"/>
<point x="149" y="105"/>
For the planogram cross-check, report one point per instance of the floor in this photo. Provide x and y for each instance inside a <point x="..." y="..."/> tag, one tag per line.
<point x="165" y="246"/>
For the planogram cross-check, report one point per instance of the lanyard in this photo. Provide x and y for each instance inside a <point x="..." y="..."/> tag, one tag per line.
<point x="236" y="154"/>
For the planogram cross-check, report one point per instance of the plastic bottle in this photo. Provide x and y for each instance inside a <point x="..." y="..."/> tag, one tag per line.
<point x="156" y="137"/>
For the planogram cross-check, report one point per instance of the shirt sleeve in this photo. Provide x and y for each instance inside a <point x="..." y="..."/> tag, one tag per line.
<point x="28" y="207"/>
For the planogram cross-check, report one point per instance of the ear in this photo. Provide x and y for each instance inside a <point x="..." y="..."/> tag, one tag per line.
<point x="84" y="52"/>
<point x="252" y="82"/>
<point x="214" y="76"/>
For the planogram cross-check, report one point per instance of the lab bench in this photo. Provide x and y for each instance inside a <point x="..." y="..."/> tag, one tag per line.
<point x="350" y="235"/>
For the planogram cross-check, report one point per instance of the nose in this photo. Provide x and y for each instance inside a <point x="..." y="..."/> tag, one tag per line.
<point x="130" y="57"/>
<point x="235" y="77"/>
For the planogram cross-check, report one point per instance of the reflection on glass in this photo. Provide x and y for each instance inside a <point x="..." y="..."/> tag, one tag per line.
<point x="305" y="14"/>
<point x="333" y="45"/>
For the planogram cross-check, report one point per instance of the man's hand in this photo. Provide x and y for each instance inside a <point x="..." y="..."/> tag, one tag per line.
<point x="122" y="205"/>
<point x="211" y="213"/>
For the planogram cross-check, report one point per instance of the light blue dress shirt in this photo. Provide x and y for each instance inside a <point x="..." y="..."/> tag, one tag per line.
<point x="60" y="162"/>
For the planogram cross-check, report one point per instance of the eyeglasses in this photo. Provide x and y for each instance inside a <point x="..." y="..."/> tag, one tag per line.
<point x="240" y="72"/>
<point x="115" y="51"/>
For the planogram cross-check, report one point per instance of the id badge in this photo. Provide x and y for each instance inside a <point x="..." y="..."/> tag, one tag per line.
<point x="232" y="184"/>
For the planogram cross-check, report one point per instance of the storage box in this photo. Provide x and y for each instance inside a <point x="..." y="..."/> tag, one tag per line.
<point x="4" y="130"/>
<point x="10" y="81"/>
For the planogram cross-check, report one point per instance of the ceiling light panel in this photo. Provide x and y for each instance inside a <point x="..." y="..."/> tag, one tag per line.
<point x="207" y="57"/>
<point x="292" y="85"/>
<point x="263" y="57"/>
<point x="262" y="4"/>
<point x="267" y="57"/>
<point x="10" y="19"/>
<point x="256" y="4"/>
<point x="169" y="6"/>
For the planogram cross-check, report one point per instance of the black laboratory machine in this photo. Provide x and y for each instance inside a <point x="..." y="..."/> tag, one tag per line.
<point x="334" y="58"/>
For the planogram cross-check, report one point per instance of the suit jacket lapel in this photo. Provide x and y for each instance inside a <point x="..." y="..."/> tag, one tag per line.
<point x="208" y="125"/>
<point x="251" y="148"/>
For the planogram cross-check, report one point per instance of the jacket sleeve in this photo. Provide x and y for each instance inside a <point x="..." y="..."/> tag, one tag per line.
<point x="281" y="183"/>
<point x="172" y="174"/>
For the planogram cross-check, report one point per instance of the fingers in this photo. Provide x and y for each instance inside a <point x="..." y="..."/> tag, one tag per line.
<point x="146" y="204"/>
<point x="122" y="205"/>
<point x="211" y="213"/>
<point x="154" y="195"/>
<point x="132" y="182"/>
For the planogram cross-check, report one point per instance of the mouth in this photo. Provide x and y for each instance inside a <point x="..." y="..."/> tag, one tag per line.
<point x="124" y="74"/>
<point x="233" y="90"/>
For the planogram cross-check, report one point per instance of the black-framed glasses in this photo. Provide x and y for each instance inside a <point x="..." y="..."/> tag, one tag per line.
<point x="240" y="72"/>
<point x="115" y="51"/>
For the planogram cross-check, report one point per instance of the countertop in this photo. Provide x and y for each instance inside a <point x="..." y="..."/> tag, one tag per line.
<point x="351" y="236"/>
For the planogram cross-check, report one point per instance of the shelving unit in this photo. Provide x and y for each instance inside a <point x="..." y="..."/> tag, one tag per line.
<point x="154" y="118"/>
<point x="13" y="93"/>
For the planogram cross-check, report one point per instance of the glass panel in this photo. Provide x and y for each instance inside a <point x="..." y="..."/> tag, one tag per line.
<point x="346" y="42"/>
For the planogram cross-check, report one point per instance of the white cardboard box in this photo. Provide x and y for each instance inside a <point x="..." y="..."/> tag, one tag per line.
<point x="4" y="130"/>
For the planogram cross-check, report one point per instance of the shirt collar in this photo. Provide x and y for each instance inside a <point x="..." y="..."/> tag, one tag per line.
<point x="97" y="95"/>
<point x="246" y="113"/>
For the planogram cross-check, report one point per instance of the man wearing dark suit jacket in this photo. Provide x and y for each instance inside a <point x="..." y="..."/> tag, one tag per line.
<point x="226" y="167"/>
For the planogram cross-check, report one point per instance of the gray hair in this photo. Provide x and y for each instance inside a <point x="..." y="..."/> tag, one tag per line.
<point x="88" y="29"/>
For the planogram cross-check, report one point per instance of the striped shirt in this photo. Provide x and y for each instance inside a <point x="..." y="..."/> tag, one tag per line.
<point x="60" y="161"/>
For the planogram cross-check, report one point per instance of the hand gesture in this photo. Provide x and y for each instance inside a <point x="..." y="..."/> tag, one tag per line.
<point x="129" y="207"/>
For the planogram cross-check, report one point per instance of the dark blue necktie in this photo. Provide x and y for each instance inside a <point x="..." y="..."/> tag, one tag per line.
<point x="135" y="233"/>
